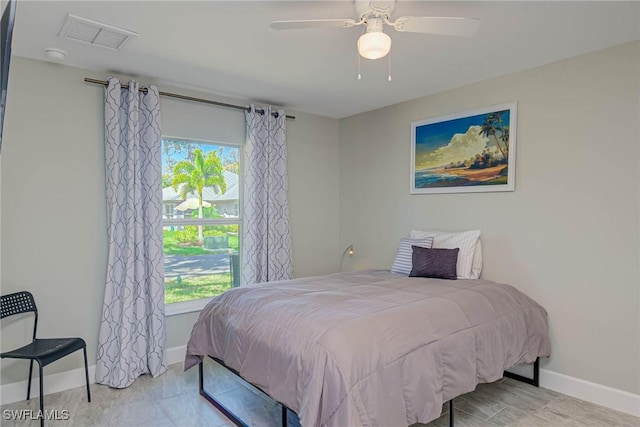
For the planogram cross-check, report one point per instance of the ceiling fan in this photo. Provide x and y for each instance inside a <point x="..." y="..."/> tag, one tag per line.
<point x="374" y="43"/>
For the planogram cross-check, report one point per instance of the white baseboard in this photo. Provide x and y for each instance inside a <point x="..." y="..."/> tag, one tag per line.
<point x="53" y="383"/>
<point x="596" y="393"/>
<point x="62" y="381"/>
<point x="176" y="354"/>
<point x="609" y="397"/>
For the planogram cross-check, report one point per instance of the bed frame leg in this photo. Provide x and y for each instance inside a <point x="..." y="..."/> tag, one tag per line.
<point x="535" y="381"/>
<point x="451" y="413"/>
<point x="284" y="416"/>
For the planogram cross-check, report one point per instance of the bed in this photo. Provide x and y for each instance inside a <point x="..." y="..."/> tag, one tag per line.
<point x="369" y="348"/>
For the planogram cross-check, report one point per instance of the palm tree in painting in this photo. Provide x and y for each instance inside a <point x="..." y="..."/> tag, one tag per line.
<point x="504" y="137"/>
<point x="490" y="128"/>
<point x="193" y="176"/>
<point x="504" y="132"/>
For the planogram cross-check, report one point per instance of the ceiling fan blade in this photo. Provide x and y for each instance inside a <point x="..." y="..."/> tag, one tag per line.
<point x="447" y="26"/>
<point x="313" y="23"/>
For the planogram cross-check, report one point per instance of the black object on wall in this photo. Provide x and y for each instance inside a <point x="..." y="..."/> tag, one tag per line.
<point x="6" y="35"/>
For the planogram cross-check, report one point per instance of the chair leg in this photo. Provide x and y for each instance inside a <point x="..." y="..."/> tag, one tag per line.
<point x="86" y="373"/>
<point x="41" y="395"/>
<point x="29" y="384"/>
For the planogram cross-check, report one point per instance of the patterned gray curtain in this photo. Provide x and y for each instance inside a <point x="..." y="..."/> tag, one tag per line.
<point x="132" y="332"/>
<point x="266" y="243"/>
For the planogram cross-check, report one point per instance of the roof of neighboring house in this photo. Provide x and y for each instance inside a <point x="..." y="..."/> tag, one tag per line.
<point x="209" y="194"/>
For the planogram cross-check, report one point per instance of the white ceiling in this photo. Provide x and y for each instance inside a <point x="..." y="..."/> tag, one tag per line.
<point x="227" y="47"/>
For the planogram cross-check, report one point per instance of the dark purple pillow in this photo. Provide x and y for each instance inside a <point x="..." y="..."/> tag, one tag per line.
<point x="437" y="263"/>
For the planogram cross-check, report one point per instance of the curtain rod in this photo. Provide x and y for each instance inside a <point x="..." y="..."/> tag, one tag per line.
<point x="183" y="97"/>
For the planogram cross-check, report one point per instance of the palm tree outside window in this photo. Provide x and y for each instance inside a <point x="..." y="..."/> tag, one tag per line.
<point x="193" y="176"/>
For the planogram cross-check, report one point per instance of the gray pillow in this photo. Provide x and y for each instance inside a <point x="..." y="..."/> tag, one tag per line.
<point x="437" y="263"/>
<point x="402" y="263"/>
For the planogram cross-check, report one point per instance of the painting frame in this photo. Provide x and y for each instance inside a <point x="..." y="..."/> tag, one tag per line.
<point x="449" y="139"/>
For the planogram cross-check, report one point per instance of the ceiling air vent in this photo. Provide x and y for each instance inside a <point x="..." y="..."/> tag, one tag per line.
<point x="94" y="33"/>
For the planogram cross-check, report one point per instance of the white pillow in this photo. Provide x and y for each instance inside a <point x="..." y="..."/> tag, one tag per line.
<point x="476" y="265"/>
<point x="465" y="240"/>
<point x="404" y="257"/>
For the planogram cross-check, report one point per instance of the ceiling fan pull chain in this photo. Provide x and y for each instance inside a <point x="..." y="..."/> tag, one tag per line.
<point x="389" y="79"/>
<point x="359" y="75"/>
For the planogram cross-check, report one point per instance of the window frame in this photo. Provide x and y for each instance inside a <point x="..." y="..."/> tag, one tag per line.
<point x="196" y="305"/>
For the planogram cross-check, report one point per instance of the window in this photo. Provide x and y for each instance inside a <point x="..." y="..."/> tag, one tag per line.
<point x="201" y="221"/>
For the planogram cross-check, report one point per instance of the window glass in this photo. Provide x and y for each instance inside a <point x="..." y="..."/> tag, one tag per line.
<point x="201" y="225"/>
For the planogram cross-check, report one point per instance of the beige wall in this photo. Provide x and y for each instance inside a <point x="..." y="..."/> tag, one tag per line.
<point x="53" y="203"/>
<point x="568" y="236"/>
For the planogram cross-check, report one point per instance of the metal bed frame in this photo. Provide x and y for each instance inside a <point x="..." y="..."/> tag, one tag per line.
<point x="535" y="381"/>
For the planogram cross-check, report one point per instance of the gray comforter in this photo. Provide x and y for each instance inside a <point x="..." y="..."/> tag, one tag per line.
<point x="370" y="348"/>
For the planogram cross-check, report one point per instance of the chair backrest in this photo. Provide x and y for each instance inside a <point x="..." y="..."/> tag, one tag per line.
<point x="17" y="303"/>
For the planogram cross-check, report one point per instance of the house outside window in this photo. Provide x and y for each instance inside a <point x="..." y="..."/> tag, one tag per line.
<point x="201" y="195"/>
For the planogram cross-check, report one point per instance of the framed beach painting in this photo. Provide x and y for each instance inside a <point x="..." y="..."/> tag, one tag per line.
<point x="474" y="151"/>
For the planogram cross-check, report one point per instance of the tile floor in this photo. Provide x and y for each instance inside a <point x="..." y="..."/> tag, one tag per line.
<point x="172" y="400"/>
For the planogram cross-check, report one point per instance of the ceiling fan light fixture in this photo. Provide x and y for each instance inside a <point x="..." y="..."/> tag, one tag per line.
<point x="374" y="45"/>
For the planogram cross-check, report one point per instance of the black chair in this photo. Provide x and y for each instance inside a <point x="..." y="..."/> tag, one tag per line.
<point x="44" y="351"/>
